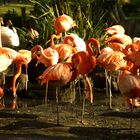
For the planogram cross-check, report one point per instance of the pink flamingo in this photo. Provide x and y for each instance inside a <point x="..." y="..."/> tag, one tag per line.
<point x="62" y="24"/>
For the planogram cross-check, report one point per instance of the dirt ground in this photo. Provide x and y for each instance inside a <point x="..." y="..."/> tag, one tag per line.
<point x="39" y="122"/>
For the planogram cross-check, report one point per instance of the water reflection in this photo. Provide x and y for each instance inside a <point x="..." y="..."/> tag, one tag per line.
<point x="20" y="102"/>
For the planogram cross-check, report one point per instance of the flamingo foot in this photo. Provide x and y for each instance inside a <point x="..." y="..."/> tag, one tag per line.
<point x="15" y="95"/>
<point x="83" y="123"/>
<point x="133" y="103"/>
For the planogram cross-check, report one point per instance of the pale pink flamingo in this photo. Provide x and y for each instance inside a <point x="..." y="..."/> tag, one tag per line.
<point x="9" y="36"/>
<point x="129" y="86"/>
<point x="75" y="41"/>
<point x="46" y="56"/>
<point x="58" y="75"/>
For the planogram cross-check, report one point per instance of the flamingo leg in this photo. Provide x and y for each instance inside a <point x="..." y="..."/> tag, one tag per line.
<point x="57" y="107"/>
<point x="3" y="75"/>
<point x="79" y="90"/>
<point x="83" y="110"/>
<point x="108" y="88"/>
<point x="106" y="76"/>
<point x="46" y="95"/>
<point x="26" y="84"/>
<point x="131" y="113"/>
<point x="110" y="92"/>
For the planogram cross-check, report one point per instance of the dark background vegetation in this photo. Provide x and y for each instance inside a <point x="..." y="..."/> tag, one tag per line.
<point x="92" y="17"/>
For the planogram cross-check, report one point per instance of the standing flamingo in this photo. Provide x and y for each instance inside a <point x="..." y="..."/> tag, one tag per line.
<point x="1" y="93"/>
<point x="116" y="42"/>
<point x="111" y="61"/>
<point x="84" y="63"/>
<point x="62" y="24"/>
<point x="129" y="86"/>
<point x="7" y="55"/>
<point x="58" y="75"/>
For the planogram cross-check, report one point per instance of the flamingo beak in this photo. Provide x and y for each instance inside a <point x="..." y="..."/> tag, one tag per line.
<point x="110" y="28"/>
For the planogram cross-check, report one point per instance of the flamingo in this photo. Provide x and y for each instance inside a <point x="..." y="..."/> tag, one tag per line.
<point x="9" y="35"/>
<point x="129" y="86"/>
<point x="58" y="75"/>
<point x="84" y="63"/>
<point x="65" y="51"/>
<point x="47" y="56"/>
<point x="75" y="41"/>
<point x="1" y="93"/>
<point x="132" y="53"/>
<point x="111" y="61"/>
<point x="62" y="23"/>
<point x="115" y="29"/>
<point x="19" y="60"/>
<point x="7" y="55"/>
<point x="116" y="42"/>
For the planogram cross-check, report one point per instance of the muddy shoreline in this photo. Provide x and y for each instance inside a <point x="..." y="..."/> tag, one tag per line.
<point x="39" y="122"/>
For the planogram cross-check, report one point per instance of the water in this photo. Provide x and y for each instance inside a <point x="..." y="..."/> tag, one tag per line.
<point x="9" y="102"/>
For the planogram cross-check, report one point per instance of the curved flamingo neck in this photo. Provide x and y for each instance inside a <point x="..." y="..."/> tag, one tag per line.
<point x="18" y="72"/>
<point x="130" y="48"/>
<point x="55" y="37"/>
<point x="1" y="22"/>
<point x="95" y="44"/>
<point x="71" y="38"/>
<point x="38" y="47"/>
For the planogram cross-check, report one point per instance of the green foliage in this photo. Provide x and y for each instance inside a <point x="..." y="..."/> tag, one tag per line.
<point x="88" y="15"/>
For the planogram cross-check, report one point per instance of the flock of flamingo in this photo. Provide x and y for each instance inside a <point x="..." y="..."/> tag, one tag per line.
<point x="71" y="56"/>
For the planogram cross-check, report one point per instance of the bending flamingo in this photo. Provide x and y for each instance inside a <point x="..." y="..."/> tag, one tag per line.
<point x="19" y="60"/>
<point x="75" y="41"/>
<point x="46" y="56"/>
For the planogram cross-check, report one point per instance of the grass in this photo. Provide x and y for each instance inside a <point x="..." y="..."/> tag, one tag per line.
<point x="15" y="7"/>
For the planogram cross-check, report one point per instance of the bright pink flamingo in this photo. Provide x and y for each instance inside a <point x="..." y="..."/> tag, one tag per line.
<point x="84" y="63"/>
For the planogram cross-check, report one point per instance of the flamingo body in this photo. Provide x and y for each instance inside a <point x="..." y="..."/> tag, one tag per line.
<point x="78" y="42"/>
<point x="9" y="37"/>
<point x="58" y="74"/>
<point x="63" y="23"/>
<point x="129" y="85"/>
<point x="85" y="62"/>
<point x="47" y="56"/>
